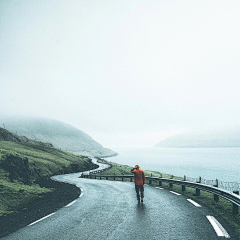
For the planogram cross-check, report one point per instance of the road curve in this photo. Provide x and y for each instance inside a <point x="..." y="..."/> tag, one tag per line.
<point x="109" y="210"/>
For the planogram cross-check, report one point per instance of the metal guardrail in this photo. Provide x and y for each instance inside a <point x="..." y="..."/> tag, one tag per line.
<point x="229" y="186"/>
<point x="217" y="192"/>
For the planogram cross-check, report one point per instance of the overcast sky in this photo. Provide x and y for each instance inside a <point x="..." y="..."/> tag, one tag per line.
<point x="126" y="72"/>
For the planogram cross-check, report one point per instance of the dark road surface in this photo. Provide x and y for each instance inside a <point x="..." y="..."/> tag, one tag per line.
<point x="109" y="210"/>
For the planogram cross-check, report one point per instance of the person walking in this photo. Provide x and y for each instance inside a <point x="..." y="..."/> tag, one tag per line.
<point x="139" y="179"/>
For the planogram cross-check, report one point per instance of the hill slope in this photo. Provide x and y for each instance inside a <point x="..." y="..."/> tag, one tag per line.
<point x="61" y="135"/>
<point x="27" y="192"/>
<point x="8" y="136"/>
<point x="204" y="138"/>
<point x="23" y="165"/>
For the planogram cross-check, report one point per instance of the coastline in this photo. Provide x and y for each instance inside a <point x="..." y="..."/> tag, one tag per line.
<point x="209" y="163"/>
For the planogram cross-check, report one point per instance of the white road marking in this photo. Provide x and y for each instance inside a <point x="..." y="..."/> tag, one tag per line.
<point x="41" y="219"/>
<point x="220" y="231"/>
<point x="81" y="189"/>
<point x="194" y="203"/>
<point x="175" y="193"/>
<point x="71" y="203"/>
<point x="81" y="195"/>
<point x="158" y="187"/>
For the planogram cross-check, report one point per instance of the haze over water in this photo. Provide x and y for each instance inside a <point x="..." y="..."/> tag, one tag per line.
<point x="209" y="163"/>
<point x="128" y="73"/>
<point x="124" y="72"/>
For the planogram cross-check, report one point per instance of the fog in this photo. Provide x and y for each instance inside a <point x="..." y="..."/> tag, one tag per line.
<point x="125" y="72"/>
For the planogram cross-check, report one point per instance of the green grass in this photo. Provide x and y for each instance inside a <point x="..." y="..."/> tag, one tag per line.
<point x="223" y="208"/>
<point x="119" y="169"/>
<point x="42" y="162"/>
<point x="16" y="196"/>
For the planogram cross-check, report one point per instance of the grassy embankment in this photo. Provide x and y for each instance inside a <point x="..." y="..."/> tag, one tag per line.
<point x="24" y="178"/>
<point x="24" y="169"/>
<point x="223" y="208"/>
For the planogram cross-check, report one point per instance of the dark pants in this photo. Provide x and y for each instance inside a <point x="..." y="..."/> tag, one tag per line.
<point x="141" y="189"/>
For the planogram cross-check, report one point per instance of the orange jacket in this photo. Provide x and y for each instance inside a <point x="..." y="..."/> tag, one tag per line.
<point x="139" y="176"/>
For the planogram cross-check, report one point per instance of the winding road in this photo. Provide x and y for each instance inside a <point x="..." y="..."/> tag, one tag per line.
<point x="109" y="210"/>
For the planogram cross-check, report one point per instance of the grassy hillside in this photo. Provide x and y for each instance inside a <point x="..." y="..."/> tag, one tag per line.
<point x="23" y="166"/>
<point x="8" y="136"/>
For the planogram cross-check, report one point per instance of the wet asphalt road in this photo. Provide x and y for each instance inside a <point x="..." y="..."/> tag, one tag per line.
<point x="109" y="210"/>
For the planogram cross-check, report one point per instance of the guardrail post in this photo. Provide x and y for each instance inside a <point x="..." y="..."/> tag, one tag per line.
<point x="106" y="178"/>
<point x="216" y="182"/>
<point x="170" y="184"/>
<point x="160" y="183"/>
<point x="122" y="178"/>
<point x="183" y="186"/>
<point x="198" y="190"/>
<point x="235" y="207"/>
<point x="150" y="181"/>
<point x="216" y="197"/>
<point x="131" y="179"/>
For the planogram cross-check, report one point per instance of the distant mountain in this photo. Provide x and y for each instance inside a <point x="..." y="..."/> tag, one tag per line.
<point x="61" y="135"/>
<point x="203" y="138"/>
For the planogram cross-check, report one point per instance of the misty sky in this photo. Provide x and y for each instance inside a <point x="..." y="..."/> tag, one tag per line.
<point x="125" y="72"/>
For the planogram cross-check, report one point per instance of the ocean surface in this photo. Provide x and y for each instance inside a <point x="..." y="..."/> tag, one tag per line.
<point x="209" y="163"/>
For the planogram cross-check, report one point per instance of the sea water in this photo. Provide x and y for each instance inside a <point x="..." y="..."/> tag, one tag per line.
<point x="209" y="163"/>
